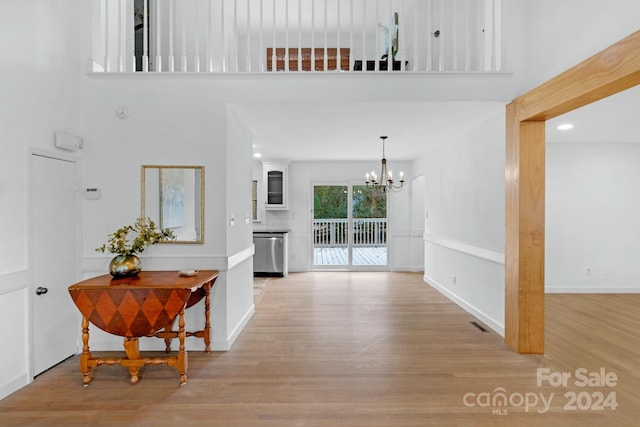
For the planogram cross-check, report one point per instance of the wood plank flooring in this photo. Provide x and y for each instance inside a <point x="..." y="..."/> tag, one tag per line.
<point x="363" y="349"/>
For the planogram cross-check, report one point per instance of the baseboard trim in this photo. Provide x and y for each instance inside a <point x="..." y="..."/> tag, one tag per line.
<point x="14" y="385"/>
<point x="493" y="324"/>
<point x="592" y="290"/>
<point x="407" y="269"/>
<point x="220" y="345"/>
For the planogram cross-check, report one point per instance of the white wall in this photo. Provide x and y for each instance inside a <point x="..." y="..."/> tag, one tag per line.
<point x="561" y="34"/>
<point x="592" y="218"/>
<point x="40" y="75"/>
<point x="464" y="225"/>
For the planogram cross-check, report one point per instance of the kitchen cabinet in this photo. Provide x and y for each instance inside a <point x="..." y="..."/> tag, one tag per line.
<point x="275" y="185"/>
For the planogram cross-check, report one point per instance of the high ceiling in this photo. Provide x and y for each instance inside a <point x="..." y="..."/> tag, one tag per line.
<point x="351" y="131"/>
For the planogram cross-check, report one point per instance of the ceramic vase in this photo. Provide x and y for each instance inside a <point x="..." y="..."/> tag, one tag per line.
<point x="125" y="265"/>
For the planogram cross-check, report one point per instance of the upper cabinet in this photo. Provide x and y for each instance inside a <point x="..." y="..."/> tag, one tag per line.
<point x="274" y="179"/>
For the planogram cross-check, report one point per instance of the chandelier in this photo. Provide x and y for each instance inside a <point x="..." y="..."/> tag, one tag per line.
<point x="385" y="181"/>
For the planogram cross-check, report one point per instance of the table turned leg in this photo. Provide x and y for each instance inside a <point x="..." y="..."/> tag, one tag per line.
<point x="167" y="340"/>
<point x="86" y="354"/>
<point x="133" y="353"/>
<point x="183" y="363"/>
<point x="207" y="314"/>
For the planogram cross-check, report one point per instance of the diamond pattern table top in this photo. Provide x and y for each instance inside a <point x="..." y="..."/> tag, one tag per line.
<point x="140" y="305"/>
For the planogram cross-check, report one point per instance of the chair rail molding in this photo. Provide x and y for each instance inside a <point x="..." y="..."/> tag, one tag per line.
<point x="10" y="282"/>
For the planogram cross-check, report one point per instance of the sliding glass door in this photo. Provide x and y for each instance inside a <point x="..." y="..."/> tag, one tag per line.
<point x="330" y="226"/>
<point x="349" y="227"/>
<point x="369" y="226"/>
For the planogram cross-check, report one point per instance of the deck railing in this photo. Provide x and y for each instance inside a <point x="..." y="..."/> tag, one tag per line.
<point x="268" y="36"/>
<point x="335" y="232"/>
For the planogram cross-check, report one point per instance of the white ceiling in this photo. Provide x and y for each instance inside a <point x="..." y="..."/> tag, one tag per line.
<point x="351" y="130"/>
<point x="614" y="119"/>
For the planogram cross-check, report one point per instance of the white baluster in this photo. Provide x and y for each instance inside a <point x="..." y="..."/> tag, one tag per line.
<point x="352" y="50"/>
<point x="262" y="54"/>
<point x="390" y="57"/>
<point x="402" y="24"/>
<point x="488" y="35"/>
<point x="274" y="65"/>
<point x="120" y="38"/>
<point x="454" y="35"/>
<point x="248" y="65"/>
<point x="196" y="59"/>
<point x="430" y="31"/>
<point x="210" y="41"/>
<point x="158" y="66"/>
<point x="338" y="31"/>
<point x="234" y="39"/>
<point x="497" y="36"/>
<point x="376" y="53"/>
<point x="325" y="62"/>
<point x="313" y="36"/>
<point x="468" y="32"/>
<point x="286" y="36"/>
<point x="299" y="35"/>
<point x="107" y="67"/>
<point x="130" y="44"/>
<point x="145" y="37"/>
<point x="416" y="25"/>
<point x="364" y="35"/>
<point x="224" y="66"/>
<point x="171" y="57"/>
<point x="183" y="66"/>
<point x="443" y="36"/>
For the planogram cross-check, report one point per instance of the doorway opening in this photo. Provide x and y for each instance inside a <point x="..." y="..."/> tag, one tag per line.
<point x="349" y="227"/>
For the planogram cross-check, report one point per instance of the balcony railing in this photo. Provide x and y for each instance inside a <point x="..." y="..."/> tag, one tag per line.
<point x="297" y="36"/>
<point x="335" y="232"/>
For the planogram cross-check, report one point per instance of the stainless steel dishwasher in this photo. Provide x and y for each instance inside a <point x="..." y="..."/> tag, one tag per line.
<point x="269" y="254"/>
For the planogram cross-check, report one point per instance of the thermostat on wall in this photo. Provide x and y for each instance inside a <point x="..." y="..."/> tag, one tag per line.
<point x="92" y="193"/>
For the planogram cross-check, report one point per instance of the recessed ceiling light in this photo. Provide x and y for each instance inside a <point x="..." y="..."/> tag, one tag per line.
<point x="257" y="155"/>
<point x="565" y="126"/>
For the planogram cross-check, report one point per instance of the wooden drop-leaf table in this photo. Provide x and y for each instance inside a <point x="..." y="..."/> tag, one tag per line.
<point x="144" y="305"/>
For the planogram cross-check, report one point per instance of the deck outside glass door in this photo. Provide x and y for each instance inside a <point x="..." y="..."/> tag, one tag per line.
<point x="349" y="227"/>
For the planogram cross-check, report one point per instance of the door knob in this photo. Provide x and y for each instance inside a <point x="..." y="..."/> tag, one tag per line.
<point x="41" y="290"/>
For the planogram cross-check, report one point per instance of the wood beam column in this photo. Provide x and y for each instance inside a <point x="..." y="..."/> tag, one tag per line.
<point x="524" y="246"/>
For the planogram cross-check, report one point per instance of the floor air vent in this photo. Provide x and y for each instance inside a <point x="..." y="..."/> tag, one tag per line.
<point x="479" y="326"/>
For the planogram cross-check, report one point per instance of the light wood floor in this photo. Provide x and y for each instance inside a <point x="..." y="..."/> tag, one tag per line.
<point x="361" y="349"/>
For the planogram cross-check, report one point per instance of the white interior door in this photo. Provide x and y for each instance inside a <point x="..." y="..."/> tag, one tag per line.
<point x="53" y="260"/>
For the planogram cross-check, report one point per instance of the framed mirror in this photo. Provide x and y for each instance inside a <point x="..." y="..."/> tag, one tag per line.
<point x="173" y="197"/>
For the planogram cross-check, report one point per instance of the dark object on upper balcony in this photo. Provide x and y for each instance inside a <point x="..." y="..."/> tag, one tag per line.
<point x="382" y="65"/>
